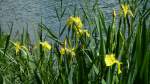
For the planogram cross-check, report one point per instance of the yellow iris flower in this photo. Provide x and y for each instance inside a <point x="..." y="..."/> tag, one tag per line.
<point x="46" y="45"/>
<point x="125" y="9"/>
<point x="62" y="51"/>
<point x="76" y="21"/>
<point x="111" y="60"/>
<point x="18" y="47"/>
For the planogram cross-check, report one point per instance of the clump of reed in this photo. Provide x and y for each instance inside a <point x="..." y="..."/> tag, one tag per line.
<point x="86" y="50"/>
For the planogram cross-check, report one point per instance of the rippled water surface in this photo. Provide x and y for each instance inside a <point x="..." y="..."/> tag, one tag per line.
<point x="23" y="12"/>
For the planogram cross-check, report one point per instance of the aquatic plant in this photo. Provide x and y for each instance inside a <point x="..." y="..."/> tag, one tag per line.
<point x="86" y="49"/>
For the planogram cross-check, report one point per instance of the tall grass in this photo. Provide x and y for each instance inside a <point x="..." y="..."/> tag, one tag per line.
<point x="83" y="61"/>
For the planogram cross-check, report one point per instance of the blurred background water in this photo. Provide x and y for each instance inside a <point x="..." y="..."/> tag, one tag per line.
<point x="28" y="13"/>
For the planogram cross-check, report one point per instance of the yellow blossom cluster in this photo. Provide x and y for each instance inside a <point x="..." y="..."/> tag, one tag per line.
<point x="76" y="24"/>
<point x="65" y="50"/>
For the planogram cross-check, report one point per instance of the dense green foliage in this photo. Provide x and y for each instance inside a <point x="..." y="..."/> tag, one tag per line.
<point x="128" y="37"/>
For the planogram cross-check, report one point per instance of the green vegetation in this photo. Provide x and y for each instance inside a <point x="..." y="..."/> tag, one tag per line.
<point x="87" y="50"/>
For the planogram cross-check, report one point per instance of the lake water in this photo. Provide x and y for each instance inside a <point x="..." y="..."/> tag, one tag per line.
<point x="23" y="12"/>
